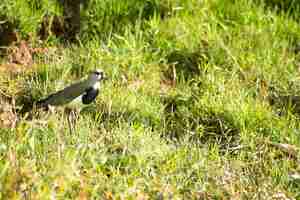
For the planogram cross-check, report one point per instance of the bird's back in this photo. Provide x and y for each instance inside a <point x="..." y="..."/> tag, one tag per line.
<point x="63" y="96"/>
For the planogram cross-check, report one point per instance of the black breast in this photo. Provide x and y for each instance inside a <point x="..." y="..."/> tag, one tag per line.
<point x="90" y="95"/>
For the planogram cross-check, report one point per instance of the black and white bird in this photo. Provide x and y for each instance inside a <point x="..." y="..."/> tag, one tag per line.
<point x="83" y="92"/>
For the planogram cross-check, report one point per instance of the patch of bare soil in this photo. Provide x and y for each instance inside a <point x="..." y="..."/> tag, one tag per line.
<point x="8" y="115"/>
<point x="20" y="58"/>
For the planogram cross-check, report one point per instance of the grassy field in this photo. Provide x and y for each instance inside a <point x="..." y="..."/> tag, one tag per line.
<point x="202" y="101"/>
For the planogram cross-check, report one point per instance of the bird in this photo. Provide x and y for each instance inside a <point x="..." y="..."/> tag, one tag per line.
<point x="84" y="92"/>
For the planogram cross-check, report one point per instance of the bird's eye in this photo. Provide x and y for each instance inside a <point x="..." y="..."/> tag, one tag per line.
<point x="97" y="73"/>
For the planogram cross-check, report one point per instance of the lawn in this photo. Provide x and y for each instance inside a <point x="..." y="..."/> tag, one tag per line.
<point x="201" y="103"/>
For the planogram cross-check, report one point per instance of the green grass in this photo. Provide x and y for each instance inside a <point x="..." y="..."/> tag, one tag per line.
<point x="200" y="93"/>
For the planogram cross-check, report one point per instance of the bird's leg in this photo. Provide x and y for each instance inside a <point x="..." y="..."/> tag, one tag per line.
<point x="72" y="118"/>
<point x="51" y="109"/>
<point x="70" y="124"/>
<point x="69" y="118"/>
<point x="75" y="116"/>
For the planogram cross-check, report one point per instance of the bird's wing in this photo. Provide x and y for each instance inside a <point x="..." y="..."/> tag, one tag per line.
<point x="90" y="95"/>
<point x="64" y="96"/>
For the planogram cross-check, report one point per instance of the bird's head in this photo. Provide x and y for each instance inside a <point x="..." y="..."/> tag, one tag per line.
<point x="97" y="75"/>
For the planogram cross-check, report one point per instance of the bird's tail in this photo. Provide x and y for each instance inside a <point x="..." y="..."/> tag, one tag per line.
<point x="30" y="104"/>
<point x="41" y="104"/>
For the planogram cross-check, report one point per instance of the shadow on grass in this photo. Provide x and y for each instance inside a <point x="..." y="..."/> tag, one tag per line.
<point x="79" y="16"/>
<point x="25" y="102"/>
<point x="285" y="103"/>
<point x="116" y="16"/>
<point x="282" y="101"/>
<point x="51" y="25"/>
<point x="183" y="117"/>
<point x="8" y="33"/>
<point x="290" y="7"/>
<point x="184" y="64"/>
